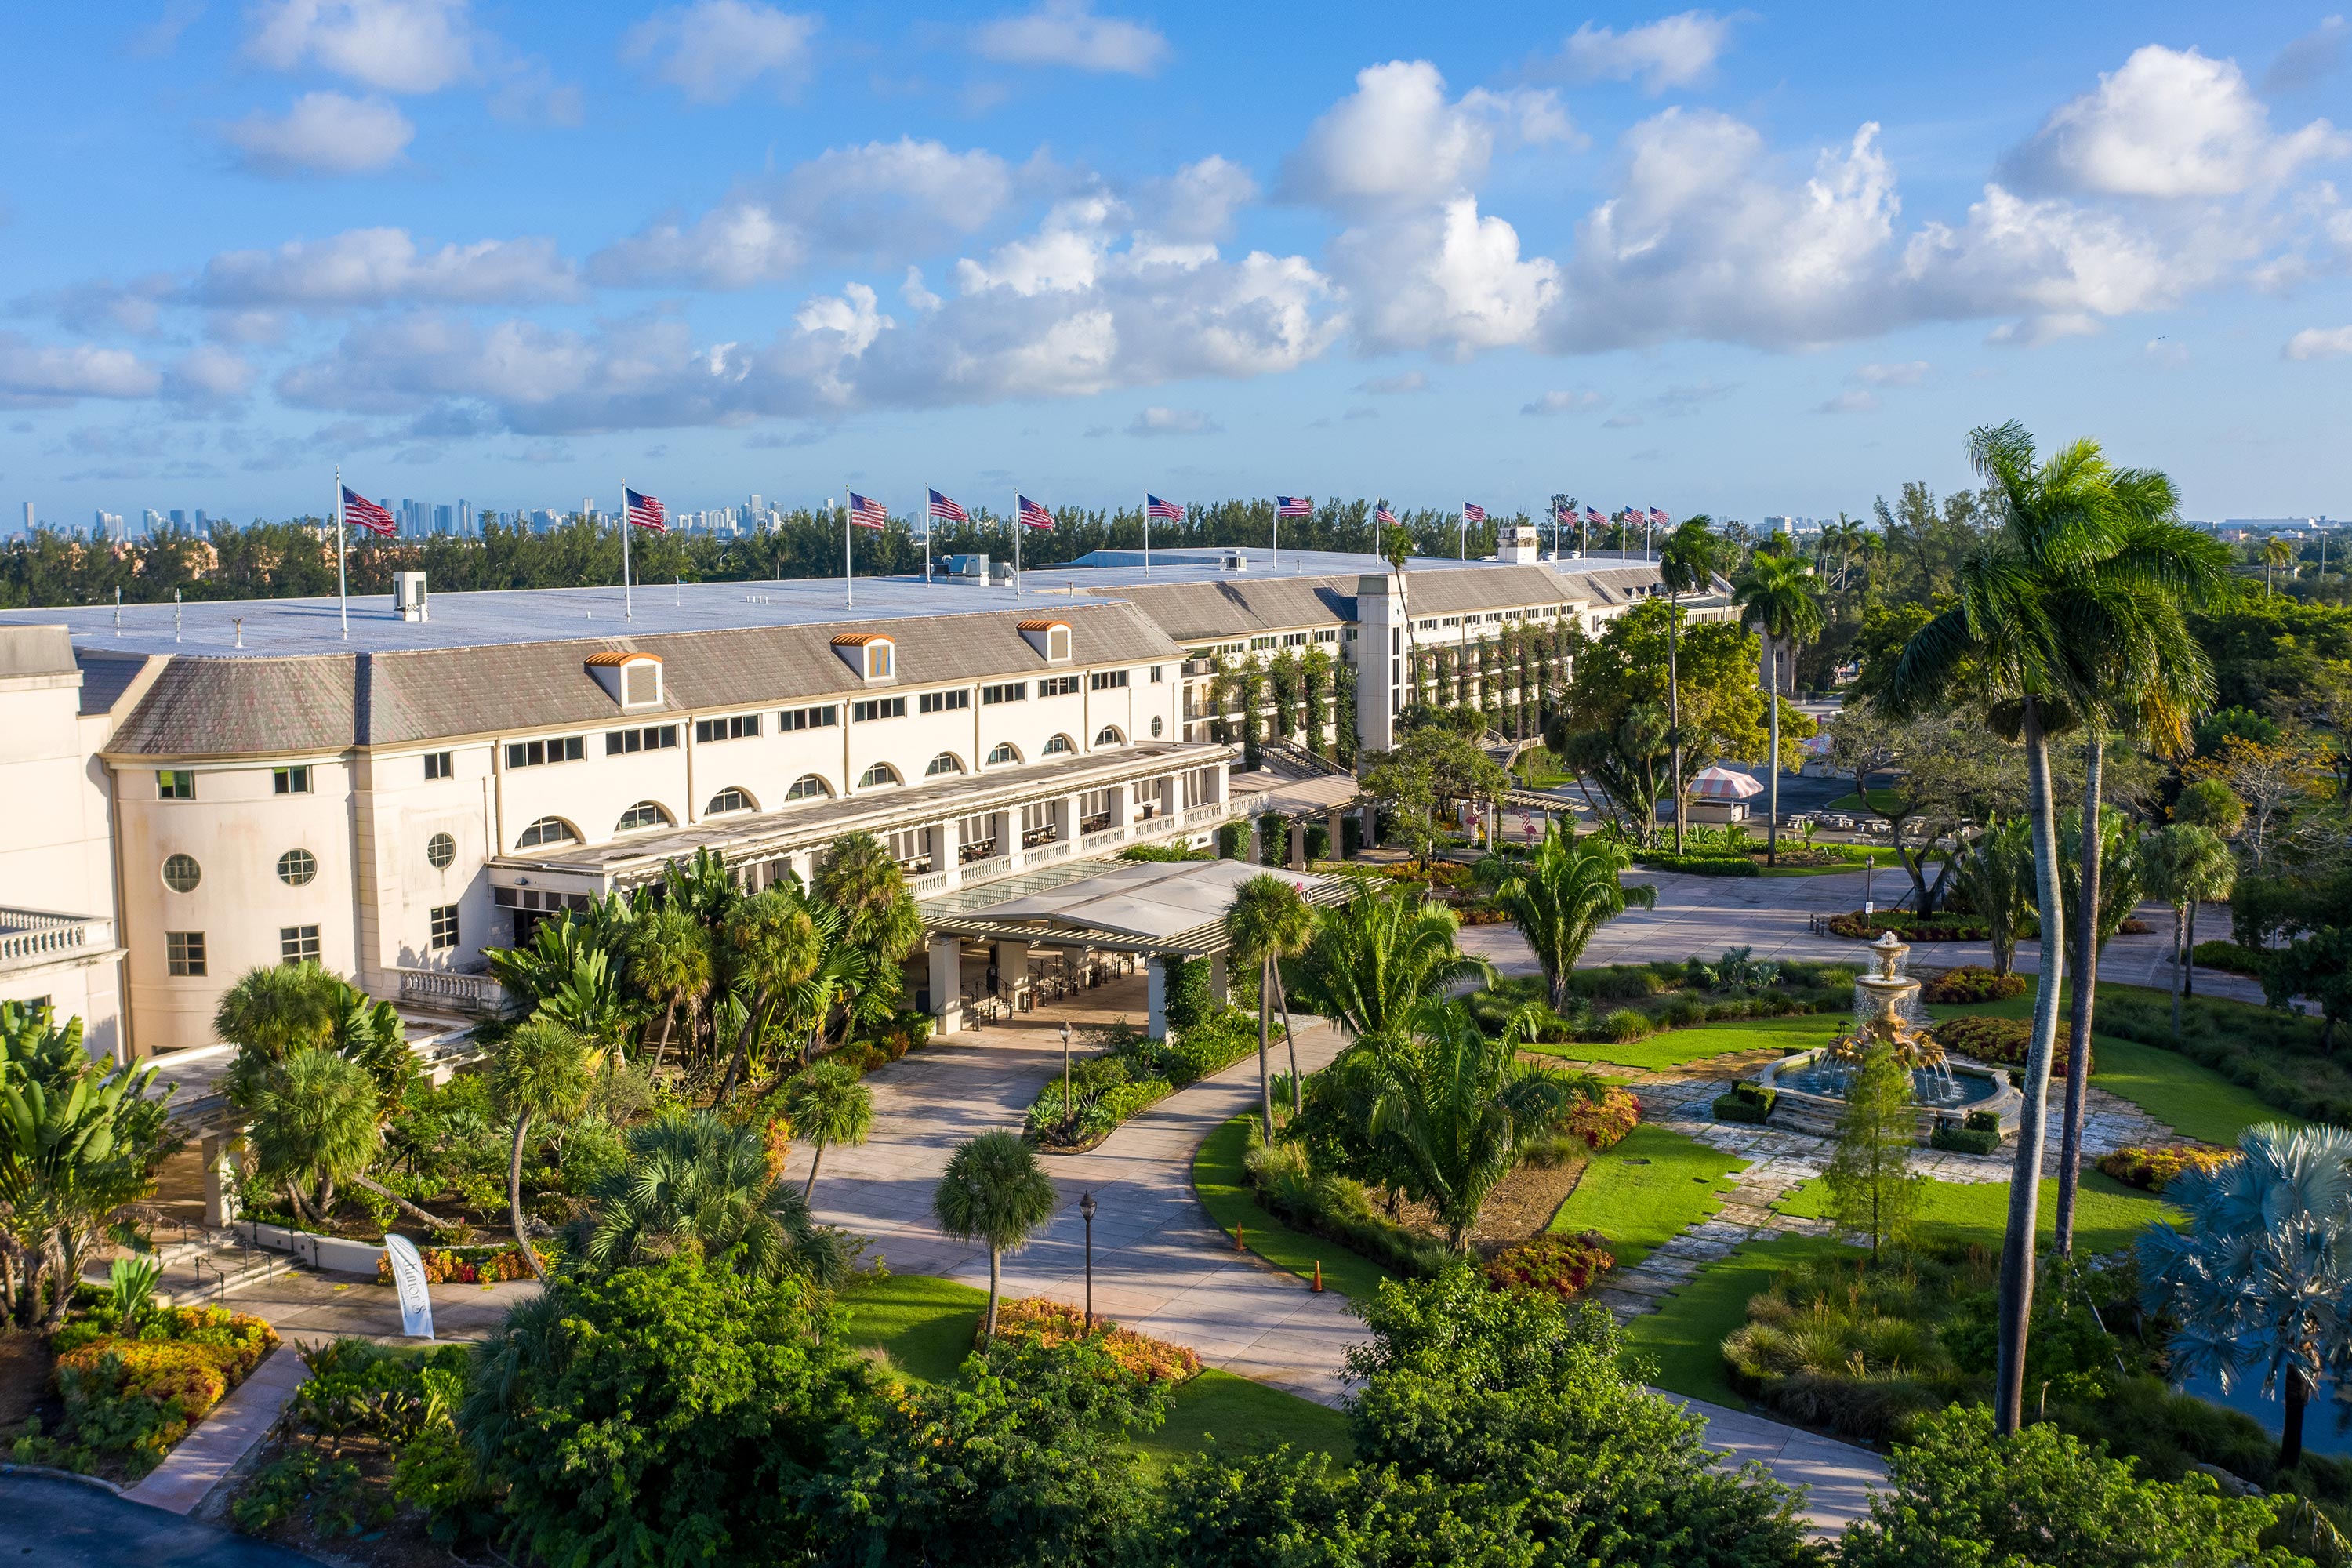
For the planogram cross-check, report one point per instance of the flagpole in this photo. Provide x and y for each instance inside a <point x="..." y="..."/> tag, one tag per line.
<point x="926" y="533"/>
<point x="342" y="576"/>
<point x="1016" y="544"/>
<point x="848" y="573"/>
<point x="628" y="609"/>
<point x="1277" y="532"/>
<point x="1147" y="534"/>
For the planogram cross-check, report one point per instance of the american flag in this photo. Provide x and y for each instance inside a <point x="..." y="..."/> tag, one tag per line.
<point x="945" y="511"/>
<point x="1564" y="513"/>
<point x="1659" y="518"/>
<point x="1632" y="514"/>
<point x="1294" y="506"/>
<point x="644" y="510"/>
<point x="867" y="512"/>
<point x="1032" y="515"/>
<point x="1592" y="515"/>
<point x="359" y="510"/>
<point x="1385" y="517"/>
<point x="1473" y="513"/>
<point x="1163" y="510"/>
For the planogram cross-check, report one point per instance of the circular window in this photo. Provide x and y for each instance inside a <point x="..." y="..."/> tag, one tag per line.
<point x="441" y="849"/>
<point x="297" y="867"/>
<point x="1155" y="729"/>
<point x="181" y="873"/>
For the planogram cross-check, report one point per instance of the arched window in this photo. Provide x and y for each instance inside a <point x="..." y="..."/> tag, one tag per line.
<point x="645" y="814"/>
<point x="877" y="776"/>
<point x="729" y="799"/>
<point x="945" y="763"/>
<point x="1058" y="745"/>
<point x="1155" y="726"/>
<point x="548" y="830"/>
<point x="1110" y="737"/>
<point x="1004" y="751"/>
<point x="808" y="786"/>
<point x="297" y="867"/>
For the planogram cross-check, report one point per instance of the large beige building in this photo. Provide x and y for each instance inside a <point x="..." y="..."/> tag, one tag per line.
<point x="198" y="790"/>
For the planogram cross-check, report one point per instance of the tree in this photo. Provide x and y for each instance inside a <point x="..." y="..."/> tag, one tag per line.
<point x="2318" y="966"/>
<point x="2276" y="551"/>
<point x="1774" y="592"/>
<point x="1432" y="767"/>
<point x="272" y="1011"/>
<point x="2186" y="864"/>
<point x="670" y="960"/>
<point x="992" y="1192"/>
<point x="1995" y="874"/>
<point x="2043" y="611"/>
<point x="865" y="882"/>
<point x="1926" y="777"/>
<point x="1377" y="957"/>
<point x="539" y="1071"/>
<point x="1959" y="1493"/>
<point x="1561" y="896"/>
<point x="828" y="1104"/>
<point x="1872" y="1187"/>
<point x="314" y="1124"/>
<point x="698" y="1185"/>
<point x="1686" y="564"/>
<point x="1268" y="922"/>
<point x="772" y="945"/>
<point x="2257" y="1279"/>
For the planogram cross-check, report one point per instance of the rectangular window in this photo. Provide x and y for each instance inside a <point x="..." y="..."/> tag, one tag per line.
<point x="445" y="926"/>
<point x="912" y="850"/>
<point x="1262" y="642"/>
<point x="175" y="783"/>
<point x="298" y="943"/>
<point x="440" y="765"/>
<point x="1105" y="679"/>
<point x="537" y="754"/>
<point x="652" y="738"/>
<point x="734" y="728"/>
<point x="291" y="780"/>
<point x="1155" y="674"/>
<point x="1011" y="691"/>
<point x="1329" y="634"/>
<point x="875" y="708"/>
<point x="1059" y="686"/>
<point x="944" y="701"/>
<point x="185" y="951"/>
<point x="1294" y="639"/>
<point x="793" y="719"/>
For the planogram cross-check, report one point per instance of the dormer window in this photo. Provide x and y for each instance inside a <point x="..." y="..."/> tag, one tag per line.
<point x="869" y="655"/>
<point x="631" y="679"/>
<point x="1050" y="638"/>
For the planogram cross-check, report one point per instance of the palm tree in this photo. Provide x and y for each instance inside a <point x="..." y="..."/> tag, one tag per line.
<point x="1996" y="874"/>
<point x="2276" y="551"/>
<point x="2257" y="1279"/>
<point x="1267" y="923"/>
<point x="994" y="1191"/>
<point x="1375" y="958"/>
<point x="772" y="945"/>
<point x="1563" y="894"/>
<point x="1774" y="591"/>
<point x="827" y="1104"/>
<point x="1685" y="565"/>
<point x="540" y="1070"/>
<point x="696" y="1183"/>
<point x="862" y="881"/>
<point x="271" y="1012"/>
<point x="2186" y="864"/>
<point x="314" y="1124"/>
<point x="2067" y="586"/>
<point x="670" y="959"/>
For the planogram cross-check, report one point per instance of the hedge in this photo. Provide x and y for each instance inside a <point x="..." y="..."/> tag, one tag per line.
<point x="1747" y="1102"/>
<point x="1703" y="864"/>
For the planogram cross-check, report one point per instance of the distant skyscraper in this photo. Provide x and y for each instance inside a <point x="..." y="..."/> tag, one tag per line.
<point x="444" y="520"/>
<point x="466" y="519"/>
<point x="155" y="521"/>
<point x="28" y="517"/>
<point x="179" y="519"/>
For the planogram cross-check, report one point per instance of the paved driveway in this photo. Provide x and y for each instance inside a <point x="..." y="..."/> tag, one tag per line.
<point x="60" y="1523"/>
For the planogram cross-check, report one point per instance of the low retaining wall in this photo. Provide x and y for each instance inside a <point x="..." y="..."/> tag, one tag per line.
<point x="338" y="1253"/>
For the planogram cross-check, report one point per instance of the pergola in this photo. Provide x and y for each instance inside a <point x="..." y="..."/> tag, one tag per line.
<point x="1156" y="909"/>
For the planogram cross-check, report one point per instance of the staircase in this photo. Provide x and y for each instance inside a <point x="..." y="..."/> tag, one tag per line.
<point x="200" y="1266"/>
<point x="1297" y="759"/>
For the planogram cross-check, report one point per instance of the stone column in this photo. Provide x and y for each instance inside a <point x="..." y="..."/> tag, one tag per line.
<point x="1372" y="824"/>
<point x="947" y="983"/>
<point x="1250" y="848"/>
<point x="1332" y="820"/>
<point x="1299" y="843"/>
<point x="1155" y="989"/>
<point x="946" y="846"/>
<point x="1221" y="981"/>
<point x="1011" y="971"/>
<point x="220" y="1181"/>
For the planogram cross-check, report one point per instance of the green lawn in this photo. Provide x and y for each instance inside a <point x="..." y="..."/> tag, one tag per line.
<point x="1672" y="1048"/>
<point x="1218" y="1179"/>
<point x="1683" y="1339"/>
<point x="2109" y="1216"/>
<point x="1646" y="1190"/>
<point x="927" y="1325"/>
<point x="1850" y="802"/>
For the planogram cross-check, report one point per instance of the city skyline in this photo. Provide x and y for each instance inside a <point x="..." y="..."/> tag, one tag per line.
<point x="1720" y="262"/>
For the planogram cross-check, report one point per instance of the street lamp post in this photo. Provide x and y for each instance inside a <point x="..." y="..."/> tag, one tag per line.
<point x="1065" y="1075"/>
<point x="1086" y="1213"/>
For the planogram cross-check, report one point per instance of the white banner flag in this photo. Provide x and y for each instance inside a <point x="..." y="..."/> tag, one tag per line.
<point x="408" y="1275"/>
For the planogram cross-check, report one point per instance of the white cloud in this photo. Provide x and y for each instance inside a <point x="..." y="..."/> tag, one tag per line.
<point x="713" y="49"/>
<point x="1397" y="143"/>
<point x="208" y="374"/>
<point x="2319" y="343"/>
<point x="375" y="267"/>
<point x="2169" y="124"/>
<point x="1068" y="32"/>
<point x="1156" y="421"/>
<point x="105" y="306"/>
<point x="398" y="45"/>
<point x="1853" y="402"/>
<point x="1907" y="372"/>
<point x="916" y="296"/>
<point x="1392" y="385"/>
<point x="1677" y="51"/>
<point x="1199" y="202"/>
<point x="35" y="373"/>
<point x="2166" y="353"/>
<point x="1581" y="400"/>
<point x="323" y="133"/>
<point x="2308" y="60"/>
<point x="1452" y="282"/>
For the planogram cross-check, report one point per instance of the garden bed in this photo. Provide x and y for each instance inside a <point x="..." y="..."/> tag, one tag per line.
<point x="1124" y="1074"/>
<point x="130" y="1384"/>
<point x="1620" y="1004"/>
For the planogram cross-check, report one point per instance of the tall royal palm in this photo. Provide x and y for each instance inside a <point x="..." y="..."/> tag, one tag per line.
<point x="2074" y="564"/>
<point x="1775" y="593"/>
<point x="670" y="960"/>
<point x="1268" y="922"/>
<point x="1563" y="893"/>
<point x="1378" y="957"/>
<point x="1396" y="549"/>
<point x="1686" y="564"/>
<point x="2186" y="864"/>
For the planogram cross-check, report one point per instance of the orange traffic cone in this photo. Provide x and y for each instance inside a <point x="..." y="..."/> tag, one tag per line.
<point x="1237" y="1239"/>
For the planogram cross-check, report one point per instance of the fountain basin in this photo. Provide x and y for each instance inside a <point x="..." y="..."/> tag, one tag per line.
<point x="1811" y="1100"/>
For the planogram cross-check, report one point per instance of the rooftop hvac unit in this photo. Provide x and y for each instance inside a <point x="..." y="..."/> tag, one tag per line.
<point x="408" y="595"/>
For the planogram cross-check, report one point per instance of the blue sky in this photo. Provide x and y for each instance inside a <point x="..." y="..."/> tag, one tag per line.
<point x="1741" y="262"/>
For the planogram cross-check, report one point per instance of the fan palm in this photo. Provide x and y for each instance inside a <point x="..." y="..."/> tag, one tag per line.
<point x="670" y="960"/>
<point x="2186" y="865"/>
<point x="828" y="1104"/>
<point x="1774" y="592"/>
<point x="314" y="1124"/>
<point x="1267" y="923"/>
<point x="2258" y="1280"/>
<point x="1995" y="874"/>
<point x="1686" y="564"/>
<point x="1375" y="958"/>
<point x="772" y="945"/>
<point x="1564" y="893"/>
<point x="695" y="1183"/>
<point x="2071" y="584"/>
<point x="271" y="1012"/>
<point x="540" y="1070"/>
<point x="2276" y="551"/>
<point x="862" y="880"/>
<point x="992" y="1192"/>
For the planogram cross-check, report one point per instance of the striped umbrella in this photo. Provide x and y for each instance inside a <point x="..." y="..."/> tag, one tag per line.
<point x="1724" y="783"/>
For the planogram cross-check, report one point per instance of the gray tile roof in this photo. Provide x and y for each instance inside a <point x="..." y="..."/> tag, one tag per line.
<point x="1237" y="605"/>
<point x="205" y="707"/>
<point x="105" y="677"/>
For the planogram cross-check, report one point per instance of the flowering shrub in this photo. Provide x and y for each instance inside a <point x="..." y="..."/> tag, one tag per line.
<point x="2000" y="1040"/>
<point x="1033" y="1320"/>
<point x="2154" y="1169"/>
<point x="1973" y="983"/>
<point x="130" y="1397"/>
<point x="467" y="1265"/>
<point x="1602" y="1122"/>
<point x="1563" y="1264"/>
